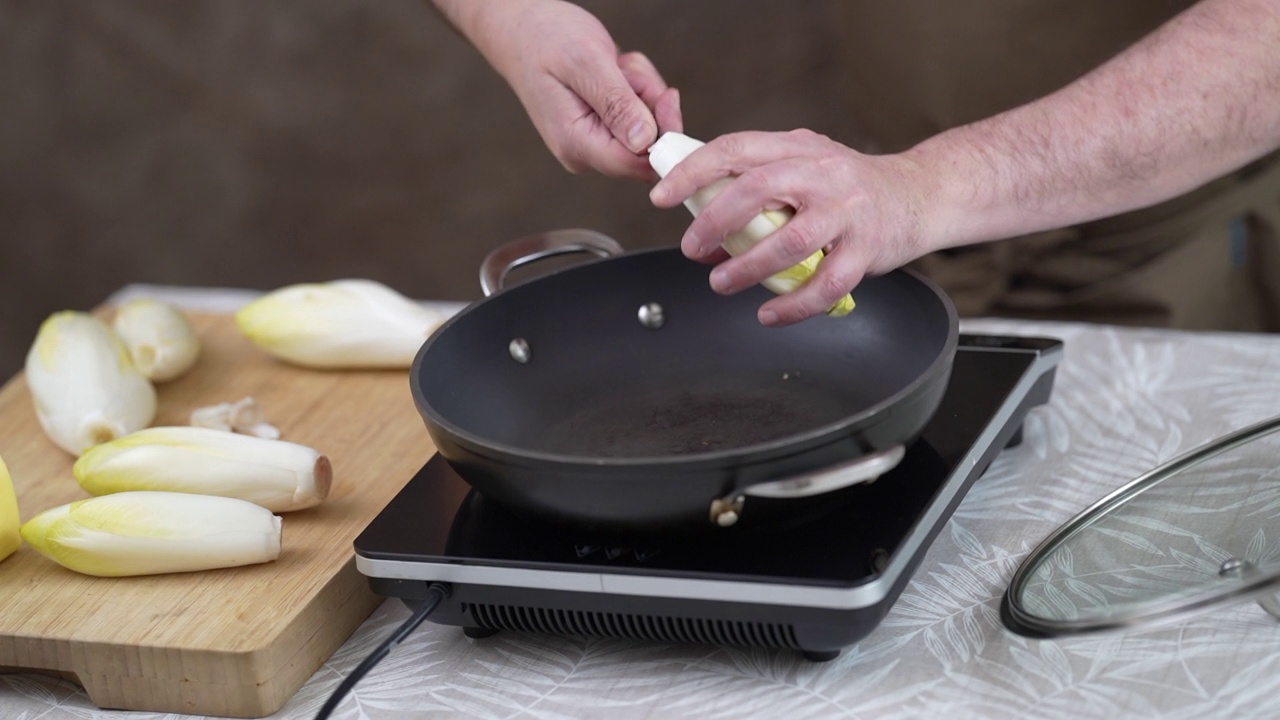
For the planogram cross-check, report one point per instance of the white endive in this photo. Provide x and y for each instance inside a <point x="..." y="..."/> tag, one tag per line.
<point x="276" y="474"/>
<point x="161" y="341"/>
<point x="674" y="147"/>
<point x="9" y="520"/>
<point x="85" y="387"/>
<point x="147" y="533"/>
<point x="339" y="324"/>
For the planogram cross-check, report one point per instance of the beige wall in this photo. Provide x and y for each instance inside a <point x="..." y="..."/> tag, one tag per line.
<point x="253" y="144"/>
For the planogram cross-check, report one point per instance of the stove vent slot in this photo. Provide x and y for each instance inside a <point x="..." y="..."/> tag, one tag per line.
<point x="633" y="626"/>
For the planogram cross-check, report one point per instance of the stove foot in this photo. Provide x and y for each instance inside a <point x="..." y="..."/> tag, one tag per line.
<point x="820" y="655"/>
<point x="478" y="633"/>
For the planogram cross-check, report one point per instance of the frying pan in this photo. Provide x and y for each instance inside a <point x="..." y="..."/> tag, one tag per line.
<point x="622" y="393"/>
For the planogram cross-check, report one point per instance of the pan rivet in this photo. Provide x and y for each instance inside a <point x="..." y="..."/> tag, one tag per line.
<point x="651" y="316"/>
<point x="726" y="511"/>
<point x="519" y="349"/>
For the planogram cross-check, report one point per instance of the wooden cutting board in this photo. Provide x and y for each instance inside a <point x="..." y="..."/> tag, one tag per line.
<point x="236" y="642"/>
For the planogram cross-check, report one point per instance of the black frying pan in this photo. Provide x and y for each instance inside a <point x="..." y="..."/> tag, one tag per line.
<point x="624" y="394"/>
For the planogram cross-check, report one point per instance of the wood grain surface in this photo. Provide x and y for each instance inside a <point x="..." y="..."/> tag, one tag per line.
<point x="236" y="642"/>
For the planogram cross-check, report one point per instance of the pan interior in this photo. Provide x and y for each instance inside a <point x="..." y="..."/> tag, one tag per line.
<point x="718" y="413"/>
<point x="599" y="384"/>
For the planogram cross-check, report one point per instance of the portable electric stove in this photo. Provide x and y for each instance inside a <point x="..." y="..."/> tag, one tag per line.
<point x="816" y="582"/>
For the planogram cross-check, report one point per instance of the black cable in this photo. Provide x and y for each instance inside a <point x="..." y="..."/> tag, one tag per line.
<point x="436" y="593"/>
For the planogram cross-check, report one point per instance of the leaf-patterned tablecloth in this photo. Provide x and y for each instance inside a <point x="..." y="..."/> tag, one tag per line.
<point x="1125" y="401"/>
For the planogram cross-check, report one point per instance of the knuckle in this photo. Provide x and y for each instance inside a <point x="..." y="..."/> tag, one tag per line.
<point x="757" y="183"/>
<point x="633" y="60"/>
<point x="732" y="146"/>
<point x="616" y="105"/>
<point x="805" y="135"/>
<point x="832" y="286"/>
<point x="796" y="241"/>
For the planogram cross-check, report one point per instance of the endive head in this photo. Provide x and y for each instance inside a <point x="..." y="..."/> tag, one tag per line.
<point x="160" y="340"/>
<point x="340" y="324"/>
<point x="9" y="520"/>
<point x="144" y="533"/>
<point x="276" y="474"/>
<point x="85" y="388"/>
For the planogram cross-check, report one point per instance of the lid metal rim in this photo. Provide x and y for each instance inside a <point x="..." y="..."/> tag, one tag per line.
<point x="1025" y="622"/>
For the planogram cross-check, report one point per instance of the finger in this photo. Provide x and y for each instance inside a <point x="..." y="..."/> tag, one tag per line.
<point x="765" y="187"/>
<point x="667" y="112"/>
<point x="717" y="256"/>
<point x="838" y="274"/>
<point x="726" y="155"/>
<point x="604" y="88"/>
<point x="790" y="245"/>
<point x="596" y="149"/>
<point x="642" y="76"/>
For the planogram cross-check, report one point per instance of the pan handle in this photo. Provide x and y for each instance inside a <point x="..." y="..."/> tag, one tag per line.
<point x="727" y="510"/>
<point x="859" y="470"/>
<point x="521" y="251"/>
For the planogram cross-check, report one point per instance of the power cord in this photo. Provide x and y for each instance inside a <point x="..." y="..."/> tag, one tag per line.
<point x="436" y="593"/>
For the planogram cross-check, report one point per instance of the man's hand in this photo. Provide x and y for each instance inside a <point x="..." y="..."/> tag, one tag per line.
<point x="595" y="109"/>
<point x="871" y="214"/>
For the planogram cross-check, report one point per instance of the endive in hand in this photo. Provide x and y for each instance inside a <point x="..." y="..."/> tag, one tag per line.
<point x="673" y="147"/>
<point x="278" y="475"/>
<point x="85" y="386"/>
<point x="339" y="324"/>
<point x="161" y="341"/>
<point x="147" y="533"/>
<point x="9" y="520"/>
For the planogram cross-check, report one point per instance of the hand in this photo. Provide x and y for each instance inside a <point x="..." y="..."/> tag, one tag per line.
<point x="867" y="212"/>
<point x="594" y="108"/>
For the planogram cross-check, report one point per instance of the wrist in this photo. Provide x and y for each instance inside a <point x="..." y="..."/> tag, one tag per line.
<point x="954" y="196"/>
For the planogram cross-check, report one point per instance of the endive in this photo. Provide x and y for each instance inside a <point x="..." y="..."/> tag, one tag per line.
<point x="276" y="474"/>
<point x="161" y="341"/>
<point x="673" y="147"/>
<point x="339" y="324"/>
<point x="147" y="533"/>
<point x="85" y="387"/>
<point x="9" y="520"/>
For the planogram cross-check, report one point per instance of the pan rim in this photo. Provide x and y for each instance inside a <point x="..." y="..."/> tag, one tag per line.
<point x="778" y="447"/>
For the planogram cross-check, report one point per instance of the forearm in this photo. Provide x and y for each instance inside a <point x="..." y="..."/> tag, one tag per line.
<point x="1190" y="102"/>
<point x="480" y="22"/>
<point x="466" y="17"/>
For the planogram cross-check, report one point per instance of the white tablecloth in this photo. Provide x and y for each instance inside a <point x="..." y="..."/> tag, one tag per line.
<point x="1125" y="401"/>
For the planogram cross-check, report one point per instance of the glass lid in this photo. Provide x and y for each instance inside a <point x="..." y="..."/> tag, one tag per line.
<point x="1195" y="534"/>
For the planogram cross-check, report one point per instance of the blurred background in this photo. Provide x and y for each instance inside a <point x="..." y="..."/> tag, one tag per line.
<point x="254" y="145"/>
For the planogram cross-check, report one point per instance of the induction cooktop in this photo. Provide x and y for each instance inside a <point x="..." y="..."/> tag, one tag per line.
<point x="812" y="574"/>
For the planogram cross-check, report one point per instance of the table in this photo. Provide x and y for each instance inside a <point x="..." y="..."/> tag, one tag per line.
<point x="1136" y="397"/>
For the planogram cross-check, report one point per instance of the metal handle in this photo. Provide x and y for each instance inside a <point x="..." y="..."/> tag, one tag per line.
<point x="859" y="470"/>
<point x="726" y="511"/>
<point x="522" y="251"/>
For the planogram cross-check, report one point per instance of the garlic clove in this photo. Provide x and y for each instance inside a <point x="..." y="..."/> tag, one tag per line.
<point x="9" y="519"/>
<point x="243" y="416"/>
<point x="339" y="324"/>
<point x="215" y="417"/>
<point x="261" y="430"/>
<point x="147" y="533"/>
<point x="85" y="386"/>
<point x="161" y="341"/>
<point x="278" y="475"/>
<point x="674" y="147"/>
<point x="245" y="413"/>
